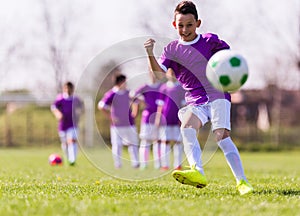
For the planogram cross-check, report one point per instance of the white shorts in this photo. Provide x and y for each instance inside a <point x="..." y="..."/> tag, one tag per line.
<point x="148" y="132"/>
<point x="126" y="135"/>
<point x="68" y="134"/>
<point x="170" y="133"/>
<point x="217" y="112"/>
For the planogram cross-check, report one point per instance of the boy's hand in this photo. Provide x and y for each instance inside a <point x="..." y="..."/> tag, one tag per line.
<point x="58" y="115"/>
<point x="149" y="44"/>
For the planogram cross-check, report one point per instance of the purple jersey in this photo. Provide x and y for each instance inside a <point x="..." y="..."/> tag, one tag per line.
<point x="118" y="102"/>
<point x="172" y="97"/>
<point x="151" y="94"/>
<point x="189" y="60"/>
<point x="67" y="106"/>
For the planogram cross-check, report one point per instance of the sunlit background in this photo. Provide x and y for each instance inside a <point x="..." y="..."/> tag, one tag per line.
<point x="44" y="43"/>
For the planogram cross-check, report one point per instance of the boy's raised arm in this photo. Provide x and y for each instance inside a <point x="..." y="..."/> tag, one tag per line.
<point x="153" y="64"/>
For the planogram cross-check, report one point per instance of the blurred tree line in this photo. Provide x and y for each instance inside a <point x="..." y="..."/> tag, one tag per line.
<point x="57" y="45"/>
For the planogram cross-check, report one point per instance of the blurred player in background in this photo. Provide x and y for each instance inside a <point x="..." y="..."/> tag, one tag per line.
<point x="170" y="101"/>
<point x="116" y="105"/>
<point x="148" y="94"/>
<point x="188" y="57"/>
<point x="67" y="109"/>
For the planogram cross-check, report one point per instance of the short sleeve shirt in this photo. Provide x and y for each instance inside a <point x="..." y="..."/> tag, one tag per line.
<point x="67" y="106"/>
<point x="118" y="101"/>
<point x="172" y="97"/>
<point x="150" y="94"/>
<point x="189" y="60"/>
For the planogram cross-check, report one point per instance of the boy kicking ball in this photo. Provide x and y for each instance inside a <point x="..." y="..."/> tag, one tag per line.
<point x="188" y="57"/>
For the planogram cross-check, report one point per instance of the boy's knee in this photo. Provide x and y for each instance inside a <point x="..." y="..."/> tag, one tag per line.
<point x="221" y="134"/>
<point x="192" y="123"/>
<point x="190" y="120"/>
<point x="183" y="126"/>
<point x="71" y="141"/>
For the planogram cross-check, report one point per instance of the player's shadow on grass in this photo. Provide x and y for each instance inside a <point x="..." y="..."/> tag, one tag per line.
<point x="288" y="192"/>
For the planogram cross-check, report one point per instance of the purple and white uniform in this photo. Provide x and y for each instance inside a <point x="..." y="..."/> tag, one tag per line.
<point x="118" y="102"/>
<point x="67" y="106"/>
<point x="150" y="94"/>
<point x="70" y="107"/>
<point x="189" y="60"/>
<point x="122" y="130"/>
<point x="171" y="100"/>
<point x="148" y="130"/>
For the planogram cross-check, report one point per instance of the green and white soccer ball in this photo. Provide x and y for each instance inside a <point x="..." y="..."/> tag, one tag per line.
<point x="227" y="70"/>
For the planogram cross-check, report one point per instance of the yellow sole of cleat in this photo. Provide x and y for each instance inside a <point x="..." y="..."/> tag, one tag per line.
<point x="245" y="192"/>
<point x="244" y="188"/>
<point x="184" y="180"/>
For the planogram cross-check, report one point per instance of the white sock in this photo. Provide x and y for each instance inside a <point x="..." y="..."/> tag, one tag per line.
<point x="165" y="154"/>
<point x="233" y="158"/>
<point x="156" y="155"/>
<point x="134" y="155"/>
<point x="177" y="150"/>
<point x="117" y="153"/>
<point x="75" y="150"/>
<point x="64" y="148"/>
<point x="144" y="152"/>
<point x="192" y="148"/>
<point x="72" y="152"/>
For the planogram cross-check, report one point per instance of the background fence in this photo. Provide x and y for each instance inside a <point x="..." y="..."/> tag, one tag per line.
<point x="28" y="123"/>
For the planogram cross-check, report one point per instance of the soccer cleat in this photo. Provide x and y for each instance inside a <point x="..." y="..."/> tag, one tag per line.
<point x="190" y="177"/>
<point x="164" y="168"/>
<point x="244" y="187"/>
<point x="178" y="168"/>
<point x="143" y="167"/>
<point x="72" y="163"/>
<point x="136" y="166"/>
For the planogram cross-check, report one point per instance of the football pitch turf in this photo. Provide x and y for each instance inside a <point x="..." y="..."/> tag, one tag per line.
<point x="30" y="186"/>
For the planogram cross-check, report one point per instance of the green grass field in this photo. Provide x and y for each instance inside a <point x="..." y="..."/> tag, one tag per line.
<point x="30" y="186"/>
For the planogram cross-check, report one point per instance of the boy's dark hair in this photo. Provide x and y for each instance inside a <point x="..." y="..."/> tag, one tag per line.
<point x="120" y="79"/>
<point x="186" y="7"/>
<point x="69" y="85"/>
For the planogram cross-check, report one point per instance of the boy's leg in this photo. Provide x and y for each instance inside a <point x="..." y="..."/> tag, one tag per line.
<point x="194" y="176"/>
<point x="64" y="148"/>
<point x="144" y="152"/>
<point x="192" y="148"/>
<point x="133" y="150"/>
<point x="63" y="140"/>
<point x="116" y="153"/>
<point x="165" y="154"/>
<point x="177" y="147"/>
<point x="117" y="147"/>
<point x="177" y="151"/>
<point x="72" y="145"/>
<point x="145" y="144"/>
<point x="220" y="118"/>
<point x="72" y="149"/>
<point x="156" y="154"/>
<point x="233" y="158"/>
<point x="234" y="161"/>
<point x="190" y="123"/>
<point x="153" y="132"/>
<point x="130" y="139"/>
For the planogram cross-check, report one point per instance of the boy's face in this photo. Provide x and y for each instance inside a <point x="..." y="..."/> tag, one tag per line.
<point x="186" y="26"/>
<point x="123" y="85"/>
<point x="68" y="90"/>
